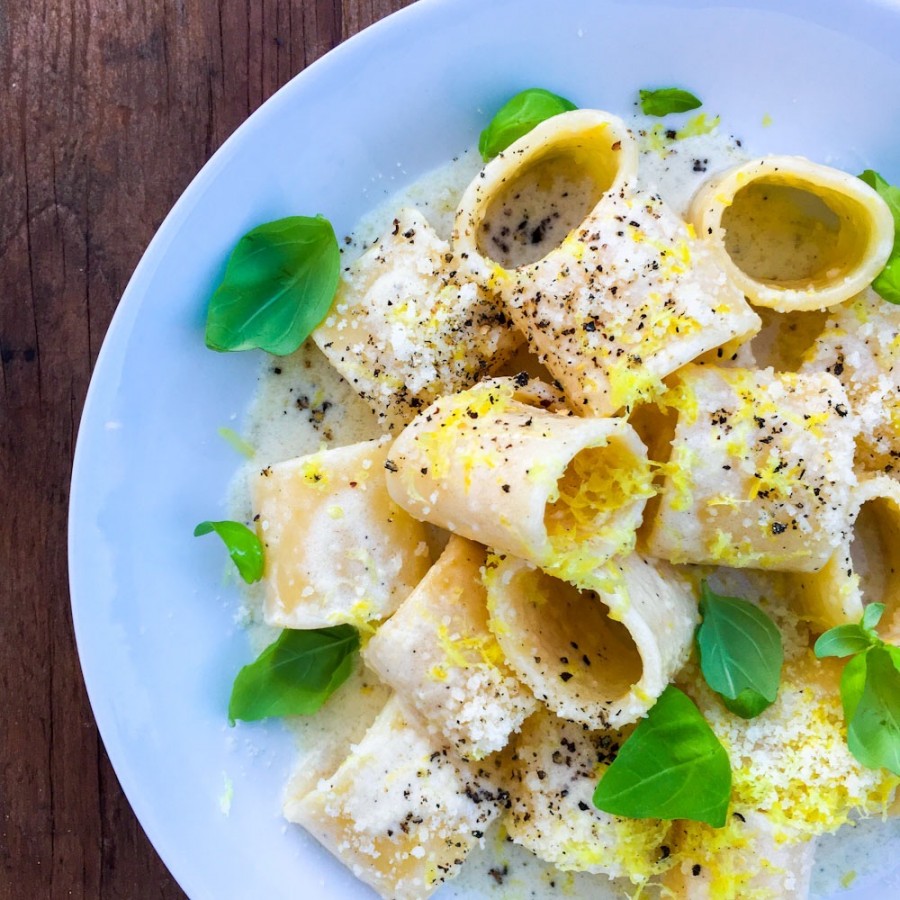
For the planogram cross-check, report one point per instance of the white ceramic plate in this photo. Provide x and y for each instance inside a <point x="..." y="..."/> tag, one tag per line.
<point x="155" y="627"/>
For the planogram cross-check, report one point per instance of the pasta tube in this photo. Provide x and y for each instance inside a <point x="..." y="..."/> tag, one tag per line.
<point x="860" y="346"/>
<point x="407" y="326"/>
<point x="553" y="773"/>
<point x="793" y="234"/>
<point x="599" y="656"/>
<point x="338" y="549"/>
<point x="613" y="291"/>
<point x="862" y="569"/>
<point x="401" y="812"/>
<point x="759" y="473"/>
<point x="564" y="492"/>
<point x="438" y="653"/>
<point x="762" y="860"/>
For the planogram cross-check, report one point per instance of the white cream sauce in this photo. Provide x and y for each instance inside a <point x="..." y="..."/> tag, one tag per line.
<point x="302" y="405"/>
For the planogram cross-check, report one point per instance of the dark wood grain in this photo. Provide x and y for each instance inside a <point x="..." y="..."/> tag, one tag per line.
<point x="107" y="110"/>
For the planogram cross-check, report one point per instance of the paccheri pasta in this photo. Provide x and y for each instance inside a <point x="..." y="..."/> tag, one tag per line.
<point x="577" y="416"/>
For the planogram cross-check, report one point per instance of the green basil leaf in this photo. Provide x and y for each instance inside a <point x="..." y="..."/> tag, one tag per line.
<point x="741" y="653"/>
<point x="518" y="116"/>
<point x="887" y="283"/>
<point x="748" y="704"/>
<point x="843" y="640"/>
<point x="872" y="616"/>
<point x="873" y="732"/>
<point x="672" y="767"/>
<point x="894" y="654"/>
<point x="853" y="681"/>
<point x="295" y="675"/>
<point x="278" y="285"/>
<point x="662" y="101"/>
<point x="243" y="545"/>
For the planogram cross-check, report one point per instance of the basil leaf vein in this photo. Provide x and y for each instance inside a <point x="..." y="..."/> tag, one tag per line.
<point x="662" y="101"/>
<point x="741" y="652"/>
<point x="279" y="284"/>
<point x="294" y="675"/>
<point x="244" y="547"/>
<point x="671" y="767"/>
<point x="518" y="116"/>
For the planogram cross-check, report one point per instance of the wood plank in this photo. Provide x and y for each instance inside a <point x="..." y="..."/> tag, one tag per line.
<point x="108" y="109"/>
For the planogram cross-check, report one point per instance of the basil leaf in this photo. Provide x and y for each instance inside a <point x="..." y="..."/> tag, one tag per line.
<point x="672" y="767"/>
<point x="853" y="681"/>
<point x="518" y="116"/>
<point x="748" y="704"/>
<point x="295" y="675"/>
<point x="872" y="616"/>
<point x="887" y="282"/>
<point x="873" y="732"/>
<point x="843" y="640"/>
<point x="894" y="654"/>
<point x="243" y="545"/>
<point x="278" y="285"/>
<point x="662" y="101"/>
<point x="741" y="653"/>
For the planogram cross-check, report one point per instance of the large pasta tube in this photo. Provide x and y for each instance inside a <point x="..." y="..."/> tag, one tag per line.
<point x="562" y="491"/>
<point x="762" y="860"/>
<point x="407" y="326"/>
<point x="338" y="549"/>
<point x="553" y="772"/>
<point x="524" y="203"/>
<point x="863" y="568"/>
<point x="401" y="812"/>
<point x="441" y="658"/>
<point x="599" y="656"/>
<point x="759" y="473"/>
<point x="612" y="289"/>
<point x="860" y="346"/>
<point x="793" y="234"/>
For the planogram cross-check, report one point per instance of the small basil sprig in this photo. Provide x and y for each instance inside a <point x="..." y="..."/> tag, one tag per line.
<point x="662" y="101"/>
<point x="295" y="675"/>
<point x="243" y="545"/>
<point x="278" y="285"/>
<point x="672" y="767"/>
<point x="741" y="653"/>
<point x="870" y="689"/>
<point x="518" y="116"/>
<point x="887" y="284"/>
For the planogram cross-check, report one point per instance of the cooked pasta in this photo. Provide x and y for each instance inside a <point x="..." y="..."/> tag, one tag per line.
<point x="600" y="656"/>
<point x="400" y="811"/>
<point x="793" y="234"/>
<point x="563" y="491"/>
<point x="338" y="549"/>
<point x="441" y="658"/>
<point x="621" y="293"/>
<point x="759" y="470"/>
<point x="664" y="434"/>
<point x="408" y="327"/>
<point x="862" y="569"/>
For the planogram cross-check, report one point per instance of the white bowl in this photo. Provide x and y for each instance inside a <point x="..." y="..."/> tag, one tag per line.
<point x="155" y="626"/>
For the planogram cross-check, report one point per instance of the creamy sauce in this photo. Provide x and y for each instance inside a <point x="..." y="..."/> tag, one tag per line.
<point x="302" y="405"/>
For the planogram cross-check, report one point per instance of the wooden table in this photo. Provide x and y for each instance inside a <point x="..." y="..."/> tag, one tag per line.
<point x="107" y="110"/>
